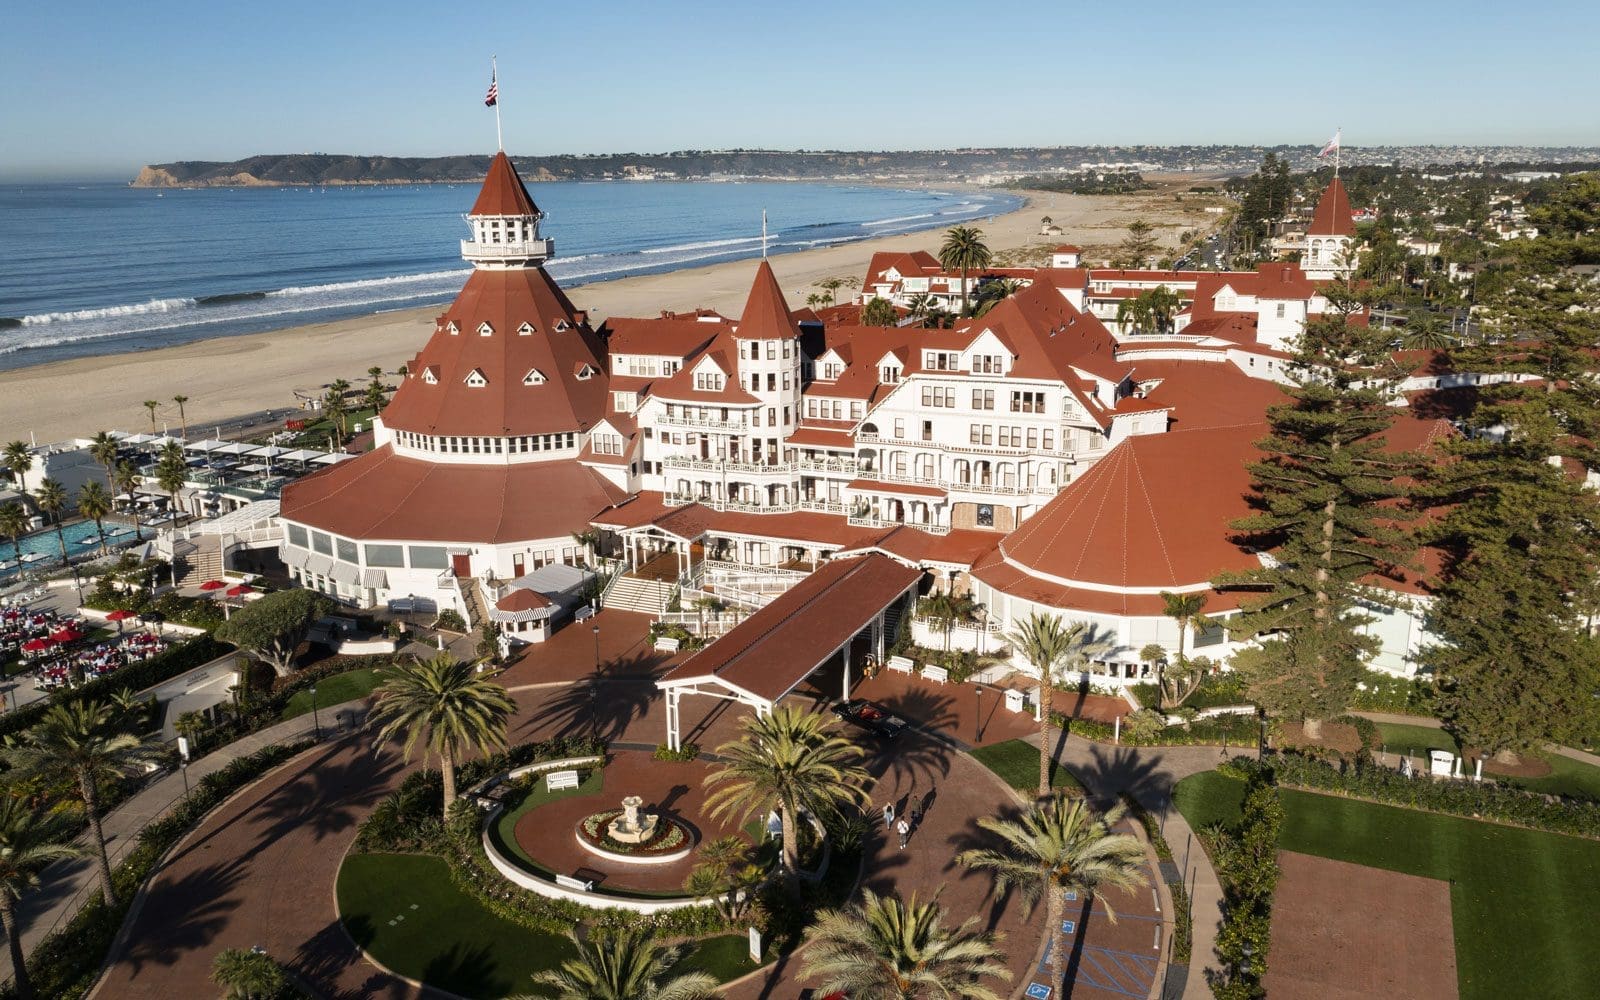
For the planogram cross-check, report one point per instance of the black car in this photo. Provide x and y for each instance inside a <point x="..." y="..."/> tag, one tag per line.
<point x="872" y="717"/>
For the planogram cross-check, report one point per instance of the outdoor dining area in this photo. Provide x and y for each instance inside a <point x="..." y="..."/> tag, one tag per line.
<point x="57" y="650"/>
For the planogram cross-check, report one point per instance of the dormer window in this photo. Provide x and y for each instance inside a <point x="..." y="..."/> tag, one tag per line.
<point x="454" y="330"/>
<point x="708" y="381"/>
<point x="562" y="326"/>
<point x="484" y="329"/>
<point x="889" y="374"/>
<point x="585" y="372"/>
<point x="525" y="330"/>
<point x="534" y="377"/>
<point x="475" y="378"/>
<point x="430" y="375"/>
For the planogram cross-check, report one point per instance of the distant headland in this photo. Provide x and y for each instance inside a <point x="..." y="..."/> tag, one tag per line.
<point x="973" y="165"/>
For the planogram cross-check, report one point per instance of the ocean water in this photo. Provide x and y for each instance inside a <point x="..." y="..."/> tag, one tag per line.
<point x="101" y="269"/>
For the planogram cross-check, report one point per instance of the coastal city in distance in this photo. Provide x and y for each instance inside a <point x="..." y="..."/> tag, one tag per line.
<point x="1061" y="564"/>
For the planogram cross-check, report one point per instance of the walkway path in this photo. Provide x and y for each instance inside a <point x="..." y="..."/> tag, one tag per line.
<point x="66" y="886"/>
<point x="1426" y="722"/>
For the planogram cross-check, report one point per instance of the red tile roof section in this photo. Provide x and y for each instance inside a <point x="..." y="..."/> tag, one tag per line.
<point x="522" y="599"/>
<point x="503" y="192"/>
<point x="777" y="647"/>
<point x="1332" y="217"/>
<point x="384" y="496"/>
<point x="505" y="299"/>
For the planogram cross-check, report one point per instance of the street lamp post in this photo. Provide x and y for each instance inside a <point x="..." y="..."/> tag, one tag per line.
<point x="978" y="688"/>
<point x="316" y="718"/>
<point x="183" y="765"/>
<point x="594" y="690"/>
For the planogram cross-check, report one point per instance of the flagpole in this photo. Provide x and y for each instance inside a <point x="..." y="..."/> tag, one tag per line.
<point x="1338" y="146"/>
<point x="494" y="76"/>
<point x="763" y="234"/>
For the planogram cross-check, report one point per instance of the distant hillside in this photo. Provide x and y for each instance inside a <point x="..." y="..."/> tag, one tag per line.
<point x="940" y="166"/>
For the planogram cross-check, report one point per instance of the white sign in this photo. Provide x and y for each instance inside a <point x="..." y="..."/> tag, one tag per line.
<point x="183" y="747"/>
<point x="755" y="946"/>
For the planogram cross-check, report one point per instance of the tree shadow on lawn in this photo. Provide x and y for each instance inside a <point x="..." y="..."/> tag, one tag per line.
<point x="182" y="915"/>
<point x="469" y="971"/>
<point x="1111" y="771"/>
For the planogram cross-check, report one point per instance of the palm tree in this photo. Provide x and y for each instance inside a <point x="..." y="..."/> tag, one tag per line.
<point x="1133" y="314"/>
<point x="817" y="300"/>
<point x="441" y="702"/>
<point x="1186" y="609"/>
<point x="248" y="974"/>
<point x="30" y="839"/>
<point x="183" y="418"/>
<point x="374" y="394"/>
<point x="125" y="479"/>
<point x="589" y="542"/>
<point x="894" y="950"/>
<point x="831" y="286"/>
<point x="103" y="449"/>
<point x="623" y="964"/>
<point x="14" y="524"/>
<point x="334" y="403"/>
<point x="992" y="293"/>
<point x="75" y="741"/>
<point x="1046" y="644"/>
<point x="18" y="460"/>
<point x="1425" y="331"/>
<point x="151" y="405"/>
<point x="95" y="503"/>
<point x="172" y="471"/>
<point x="1163" y="303"/>
<point x="51" y="497"/>
<point x="1056" y="847"/>
<point x="707" y="602"/>
<point x="788" y="761"/>
<point x="964" y="250"/>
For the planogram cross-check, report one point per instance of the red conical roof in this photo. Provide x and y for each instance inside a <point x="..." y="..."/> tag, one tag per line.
<point x="766" y="315"/>
<point x="482" y="382"/>
<point x="1333" y="213"/>
<point x="503" y="192"/>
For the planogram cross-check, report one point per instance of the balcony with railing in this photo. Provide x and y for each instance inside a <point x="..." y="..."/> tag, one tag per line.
<point x="708" y="421"/>
<point x="697" y="464"/>
<point x="874" y="521"/>
<point x="524" y="250"/>
<point x="968" y="449"/>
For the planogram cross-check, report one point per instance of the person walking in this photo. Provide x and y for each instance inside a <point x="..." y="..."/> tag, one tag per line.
<point x="888" y="814"/>
<point x="904" y="830"/>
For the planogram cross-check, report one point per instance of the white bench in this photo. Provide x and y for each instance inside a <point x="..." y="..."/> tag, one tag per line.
<point x="666" y="644"/>
<point x="936" y="674"/>
<point x="584" y="613"/>
<point x="902" y="664"/>
<point x="568" y="882"/>
<point x="555" y="781"/>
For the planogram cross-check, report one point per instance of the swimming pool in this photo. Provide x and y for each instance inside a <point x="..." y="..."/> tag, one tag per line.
<point x="40" y="550"/>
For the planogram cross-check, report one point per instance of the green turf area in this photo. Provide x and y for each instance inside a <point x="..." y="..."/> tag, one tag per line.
<point x="1017" y="764"/>
<point x="409" y="915"/>
<point x="405" y="910"/>
<point x="504" y="832"/>
<point x="1521" y="899"/>
<point x="1566" y="777"/>
<point x="335" y="690"/>
<point x="1415" y="741"/>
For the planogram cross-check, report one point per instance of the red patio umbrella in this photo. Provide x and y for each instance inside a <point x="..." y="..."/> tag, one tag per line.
<point x="37" y="645"/>
<point x="212" y="585"/>
<point x="68" y="634"/>
<point x="120" y="615"/>
<point x="241" y="590"/>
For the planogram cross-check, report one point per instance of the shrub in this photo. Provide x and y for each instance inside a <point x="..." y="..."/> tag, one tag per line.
<point x="688" y="751"/>
<point x="1381" y="692"/>
<point x="450" y="620"/>
<point x="1247" y="866"/>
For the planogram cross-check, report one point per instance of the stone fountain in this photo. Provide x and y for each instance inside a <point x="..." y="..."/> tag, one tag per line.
<point x="630" y="827"/>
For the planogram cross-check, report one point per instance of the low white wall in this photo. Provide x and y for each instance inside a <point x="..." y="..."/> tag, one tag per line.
<point x="365" y="647"/>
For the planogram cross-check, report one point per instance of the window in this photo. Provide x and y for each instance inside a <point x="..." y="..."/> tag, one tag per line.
<point x="525" y="330"/>
<point x="983" y="399"/>
<point x="562" y="326"/>
<point x="1281" y="307"/>
<point x="386" y="555"/>
<point x="484" y="329"/>
<point x="585" y="373"/>
<point x="454" y="330"/>
<point x="889" y="374"/>
<point x="346" y="550"/>
<point x="321" y="543"/>
<point x="899" y="427"/>
<point x="297" y="536"/>
<point x="429" y="557"/>
<point x="987" y="364"/>
<point x="927" y="430"/>
<point x="772" y="381"/>
<point x="475" y="378"/>
<point x="709" y="381"/>
<point x="1027" y="402"/>
<point x="772" y="350"/>
<point x="857" y="410"/>
<point x="430" y="375"/>
<point x="606" y="444"/>
<point x="1048" y="441"/>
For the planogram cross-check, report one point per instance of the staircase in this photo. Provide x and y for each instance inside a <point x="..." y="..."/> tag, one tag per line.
<point x="472" y="592"/>
<point x="198" y="560"/>
<point x="648" y="597"/>
<point x="891" y="622"/>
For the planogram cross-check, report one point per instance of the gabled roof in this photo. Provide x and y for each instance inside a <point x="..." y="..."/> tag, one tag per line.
<point x="505" y="298"/>
<point x="666" y="336"/>
<point x="1332" y="217"/>
<point x="522" y="600"/>
<point x="766" y="315"/>
<point x="503" y="192"/>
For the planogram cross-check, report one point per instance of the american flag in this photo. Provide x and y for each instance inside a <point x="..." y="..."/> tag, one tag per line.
<point x="1332" y="145"/>
<point x="493" y="96"/>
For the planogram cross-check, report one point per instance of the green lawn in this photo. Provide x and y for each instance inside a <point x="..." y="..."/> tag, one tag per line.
<point x="1415" y="741"/>
<point x="504" y="831"/>
<point x="1521" y="899"/>
<point x="1017" y="764"/>
<point x="405" y="910"/>
<point x="335" y="690"/>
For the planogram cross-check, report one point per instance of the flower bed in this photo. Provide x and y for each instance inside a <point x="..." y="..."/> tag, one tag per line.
<point x="670" y="835"/>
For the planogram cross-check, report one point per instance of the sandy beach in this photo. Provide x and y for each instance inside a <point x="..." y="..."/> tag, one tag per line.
<point x="231" y="376"/>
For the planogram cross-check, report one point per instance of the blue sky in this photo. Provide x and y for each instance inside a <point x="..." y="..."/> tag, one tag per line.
<point x="97" y="88"/>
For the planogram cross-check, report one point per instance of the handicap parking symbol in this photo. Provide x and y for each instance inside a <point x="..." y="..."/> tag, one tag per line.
<point x="1038" y="991"/>
<point x="1068" y="926"/>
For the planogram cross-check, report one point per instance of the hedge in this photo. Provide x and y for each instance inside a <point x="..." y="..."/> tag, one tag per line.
<point x="137" y="676"/>
<point x="1222" y="730"/>
<point x="1367" y="780"/>
<point x="66" y="964"/>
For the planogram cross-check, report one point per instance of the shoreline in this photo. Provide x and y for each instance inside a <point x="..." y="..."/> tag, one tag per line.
<point x="228" y="376"/>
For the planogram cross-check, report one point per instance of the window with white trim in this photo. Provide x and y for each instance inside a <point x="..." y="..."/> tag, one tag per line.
<point x="475" y="378"/>
<point x="525" y="330"/>
<point x="534" y="377"/>
<point x="430" y="375"/>
<point x="484" y="329"/>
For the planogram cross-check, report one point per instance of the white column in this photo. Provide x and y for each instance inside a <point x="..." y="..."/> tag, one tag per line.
<point x="672" y="719"/>
<point x="846" y="696"/>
